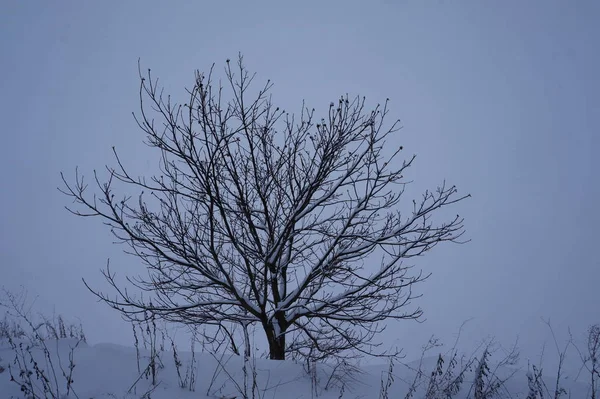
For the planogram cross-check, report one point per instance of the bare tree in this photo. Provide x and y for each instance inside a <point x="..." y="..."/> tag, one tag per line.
<point x="262" y="217"/>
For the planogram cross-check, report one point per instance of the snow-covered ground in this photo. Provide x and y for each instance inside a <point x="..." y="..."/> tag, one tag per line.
<point x="111" y="371"/>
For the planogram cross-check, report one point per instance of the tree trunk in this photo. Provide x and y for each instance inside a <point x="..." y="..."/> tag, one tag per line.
<point x="276" y="344"/>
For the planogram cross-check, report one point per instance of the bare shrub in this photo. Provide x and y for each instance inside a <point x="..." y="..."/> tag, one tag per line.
<point x="29" y="341"/>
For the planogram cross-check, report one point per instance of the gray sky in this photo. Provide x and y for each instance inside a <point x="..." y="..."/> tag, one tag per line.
<point x="500" y="98"/>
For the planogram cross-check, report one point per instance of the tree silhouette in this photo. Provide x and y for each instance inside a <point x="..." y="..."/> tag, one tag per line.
<point x="260" y="217"/>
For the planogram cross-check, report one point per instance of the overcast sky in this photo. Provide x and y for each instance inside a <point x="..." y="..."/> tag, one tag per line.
<point x="500" y="98"/>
